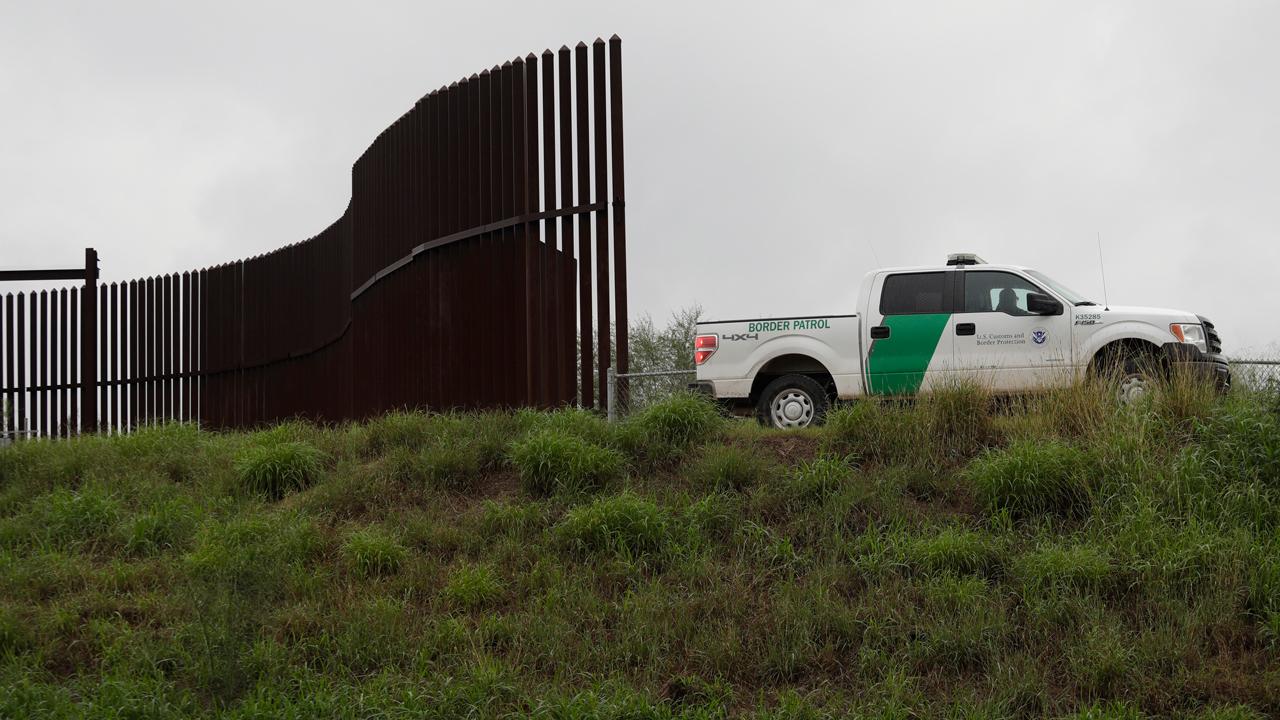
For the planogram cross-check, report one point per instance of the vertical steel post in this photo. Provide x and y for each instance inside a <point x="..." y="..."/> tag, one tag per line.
<point x="569" y="314"/>
<point x="64" y="378"/>
<point x="601" y="160"/>
<point x="10" y="382"/>
<point x="585" y="338"/>
<point x="44" y="363"/>
<point x="74" y="361"/>
<point x="23" y="423"/>
<point x="620" y="319"/>
<point x="88" y="344"/>
<point x="115" y="358"/>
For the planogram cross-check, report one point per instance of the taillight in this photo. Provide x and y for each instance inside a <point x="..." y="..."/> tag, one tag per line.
<point x="704" y="346"/>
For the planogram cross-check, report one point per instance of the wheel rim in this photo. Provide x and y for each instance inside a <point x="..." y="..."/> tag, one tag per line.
<point x="791" y="408"/>
<point x="1132" y="389"/>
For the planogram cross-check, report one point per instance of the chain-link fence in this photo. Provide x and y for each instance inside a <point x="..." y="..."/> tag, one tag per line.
<point x="636" y="391"/>
<point x="630" y="392"/>
<point x="1256" y="374"/>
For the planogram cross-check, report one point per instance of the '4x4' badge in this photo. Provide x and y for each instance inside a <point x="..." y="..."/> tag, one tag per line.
<point x="742" y="336"/>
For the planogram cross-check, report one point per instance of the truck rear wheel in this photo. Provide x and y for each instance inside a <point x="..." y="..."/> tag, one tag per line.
<point x="792" y="401"/>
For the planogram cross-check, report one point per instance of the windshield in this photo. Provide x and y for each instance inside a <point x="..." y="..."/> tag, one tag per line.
<point x="1071" y="296"/>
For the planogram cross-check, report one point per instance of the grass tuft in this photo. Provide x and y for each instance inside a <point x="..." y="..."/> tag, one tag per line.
<point x="625" y="525"/>
<point x="473" y="586"/>
<point x="550" y="462"/>
<point x="276" y="470"/>
<point x="955" y="551"/>
<point x="373" y="552"/>
<point x="661" y="433"/>
<point x="1035" y="478"/>
<point x="729" y="467"/>
<point x="1064" y="567"/>
<point x="814" y="481"/>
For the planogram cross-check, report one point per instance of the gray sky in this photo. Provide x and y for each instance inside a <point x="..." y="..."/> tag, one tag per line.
<point x="773" y="150"/>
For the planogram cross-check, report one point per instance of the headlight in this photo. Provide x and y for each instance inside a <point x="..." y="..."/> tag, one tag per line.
<point x="1190" y="333"/>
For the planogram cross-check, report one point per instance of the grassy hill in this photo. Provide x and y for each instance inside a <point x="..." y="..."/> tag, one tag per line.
<point x="957" y="557"/>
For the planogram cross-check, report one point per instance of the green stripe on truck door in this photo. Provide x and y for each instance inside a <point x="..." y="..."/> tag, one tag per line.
<point x="897" y="364"/>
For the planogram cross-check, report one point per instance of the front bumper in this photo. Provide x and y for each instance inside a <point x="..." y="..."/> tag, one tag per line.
<point x="1189" y="359"/>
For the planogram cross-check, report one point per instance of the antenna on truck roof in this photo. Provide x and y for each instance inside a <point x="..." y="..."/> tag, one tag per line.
<point x="1106" y="305"/>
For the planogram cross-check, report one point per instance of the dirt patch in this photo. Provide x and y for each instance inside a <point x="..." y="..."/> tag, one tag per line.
<point x="786" y="448"/>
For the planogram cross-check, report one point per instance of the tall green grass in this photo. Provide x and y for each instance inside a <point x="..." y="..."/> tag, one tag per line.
<point x="961" y="555"/>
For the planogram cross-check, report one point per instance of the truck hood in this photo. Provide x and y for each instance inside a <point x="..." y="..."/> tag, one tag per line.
<point x="1147" y="314"/>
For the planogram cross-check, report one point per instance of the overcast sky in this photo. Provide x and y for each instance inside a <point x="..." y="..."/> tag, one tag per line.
<point x="775" y="152"/>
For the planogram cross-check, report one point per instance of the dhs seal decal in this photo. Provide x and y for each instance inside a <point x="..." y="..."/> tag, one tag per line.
<point x="1039" y="335"/>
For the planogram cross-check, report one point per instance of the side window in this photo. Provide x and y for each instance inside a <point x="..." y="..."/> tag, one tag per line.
<point x="914" y="294"/>
<point x="993" y="291"/>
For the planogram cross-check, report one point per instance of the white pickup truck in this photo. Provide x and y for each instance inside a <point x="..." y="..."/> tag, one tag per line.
<point x="1009" y="328"/>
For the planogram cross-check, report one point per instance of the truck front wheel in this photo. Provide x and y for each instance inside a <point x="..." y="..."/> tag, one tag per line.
<point x="792" y="401"/>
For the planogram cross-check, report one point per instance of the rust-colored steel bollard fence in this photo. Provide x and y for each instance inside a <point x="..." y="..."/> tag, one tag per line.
<point x="456" y="278"/>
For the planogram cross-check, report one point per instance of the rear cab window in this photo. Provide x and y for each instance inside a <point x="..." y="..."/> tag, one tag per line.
<point x="916" y="293"/>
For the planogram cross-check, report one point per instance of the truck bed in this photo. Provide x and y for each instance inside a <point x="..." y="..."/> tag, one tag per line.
<point x="751" y="351"/>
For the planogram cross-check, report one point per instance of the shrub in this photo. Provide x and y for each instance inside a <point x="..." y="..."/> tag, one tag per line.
<point x="276" y="470"/>
<point x="372" y="551"/>
<point x="552" y="462"/>
<point x="624" y="525"/>
<point x="728" y="467"/>
<point x="1033" y="478"/>
<point x="955" y="551"/>
<point x="473" y="586"/>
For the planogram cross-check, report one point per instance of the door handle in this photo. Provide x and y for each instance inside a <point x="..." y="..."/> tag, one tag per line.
<point x="879" y="332"/>
<point x="965" y="328"/>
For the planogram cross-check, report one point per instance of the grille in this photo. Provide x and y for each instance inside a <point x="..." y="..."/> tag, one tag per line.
<point x="1211" y="336"/>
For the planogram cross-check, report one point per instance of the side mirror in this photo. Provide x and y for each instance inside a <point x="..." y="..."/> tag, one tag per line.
<point x="1041" y="304"/>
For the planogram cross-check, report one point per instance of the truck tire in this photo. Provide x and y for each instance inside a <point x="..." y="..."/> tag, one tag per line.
<point x="792" y="401"/>
<point x="1131" y="374"/>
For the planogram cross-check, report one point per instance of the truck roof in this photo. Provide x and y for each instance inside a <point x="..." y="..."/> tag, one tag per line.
<point x="936" y="268"/>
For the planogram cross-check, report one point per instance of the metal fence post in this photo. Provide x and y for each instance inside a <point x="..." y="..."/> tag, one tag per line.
<point x="88" y="344"/>
<point x="611" y="391"/>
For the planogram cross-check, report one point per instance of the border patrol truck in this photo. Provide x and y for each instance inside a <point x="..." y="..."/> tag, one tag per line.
<point x="1005" y="327"/>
